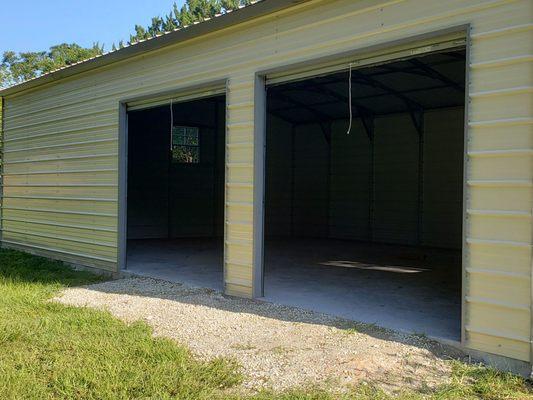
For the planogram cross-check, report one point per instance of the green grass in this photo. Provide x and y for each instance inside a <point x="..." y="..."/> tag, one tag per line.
<point x="53" y="351"/>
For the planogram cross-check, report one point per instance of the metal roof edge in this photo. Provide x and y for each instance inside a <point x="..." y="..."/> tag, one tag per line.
<point x="259" y="9"/>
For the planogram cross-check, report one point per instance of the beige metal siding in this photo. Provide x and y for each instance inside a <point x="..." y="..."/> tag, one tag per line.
<point x="60" y="184"/>
<point x="1" y="164"/>
<point x="238" y="249"/>
<point x="78" y="117"/>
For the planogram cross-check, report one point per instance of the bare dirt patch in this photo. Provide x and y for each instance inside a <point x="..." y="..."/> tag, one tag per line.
<point x="278" y="347"/>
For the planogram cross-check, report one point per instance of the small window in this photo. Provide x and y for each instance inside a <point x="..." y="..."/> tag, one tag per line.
<point x="185" y="145"/>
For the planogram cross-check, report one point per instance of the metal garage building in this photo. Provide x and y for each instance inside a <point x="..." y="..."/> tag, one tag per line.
<point x="384" y="148"/>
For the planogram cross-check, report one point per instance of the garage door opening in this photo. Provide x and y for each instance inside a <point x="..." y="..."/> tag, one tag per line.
<point x="364" y="220"/>
<point x="175" y="203"/>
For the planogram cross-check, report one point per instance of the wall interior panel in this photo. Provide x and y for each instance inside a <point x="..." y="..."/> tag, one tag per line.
<point x="351" y="182"/>
<point x="168" y="199"/>
<point x="371" y="197"/>
<point x="310" y="209"/>
<point x="279" y="174"/>
<point x="396" y="180"/>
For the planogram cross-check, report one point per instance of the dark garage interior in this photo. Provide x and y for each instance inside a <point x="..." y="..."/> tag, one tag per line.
<point x="363" y="222"/>
<point x="368" y="218"/>
<point x="176" y="191"/>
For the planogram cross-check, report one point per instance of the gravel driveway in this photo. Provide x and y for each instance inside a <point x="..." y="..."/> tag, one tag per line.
<point x="278" y="347"/>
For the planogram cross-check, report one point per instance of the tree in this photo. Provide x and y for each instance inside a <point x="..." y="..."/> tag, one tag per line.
<point x="140" y="34"/>
<point x="192" y="11"/>
<point x="19" y="67"/>
<point x="68" y="54"/>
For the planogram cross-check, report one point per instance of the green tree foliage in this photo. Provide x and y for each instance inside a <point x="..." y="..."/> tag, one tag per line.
<point x="68" y="54"/>
<point x="192" y="11"/>
<point x="19" y="67"/>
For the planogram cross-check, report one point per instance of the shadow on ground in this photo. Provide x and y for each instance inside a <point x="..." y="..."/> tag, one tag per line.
<point x="210" y="298"/>
<point x="32" y="269"/>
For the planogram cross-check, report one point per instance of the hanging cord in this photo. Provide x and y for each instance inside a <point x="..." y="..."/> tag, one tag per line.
<point x="350" y="100"/>
<point x="171" y="123"/>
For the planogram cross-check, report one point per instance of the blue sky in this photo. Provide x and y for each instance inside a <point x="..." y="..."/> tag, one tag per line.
<point x="30" y="25"/>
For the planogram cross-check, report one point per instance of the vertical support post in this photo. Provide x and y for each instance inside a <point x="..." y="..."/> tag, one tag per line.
<point x="122" y="231"/>
<point x="368" y="124"/>
<point x="293" y="174"/>
<point x="326" y="127"/>
<point x="259" y="185"/>
<point x="225" y="190"/>
<point x="372" y="196"/>
<point x="464" y="249"/>
<point x="169" y="173"/>
<point x="417" y="116"/>
<point x="420" y="205"/>
<point x="215" y="171"/>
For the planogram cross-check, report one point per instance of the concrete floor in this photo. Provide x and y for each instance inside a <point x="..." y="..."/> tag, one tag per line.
<point x="196" y="262"/>
<point x="397" y="287"/>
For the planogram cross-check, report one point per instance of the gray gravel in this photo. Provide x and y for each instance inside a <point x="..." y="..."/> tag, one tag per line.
<point x="278" y="347"/>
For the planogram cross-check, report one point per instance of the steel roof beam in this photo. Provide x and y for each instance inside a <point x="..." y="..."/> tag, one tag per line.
<point x="390" y="70"/>
<point x="280" y="116"/>
<point x="432" y="73"/>
<point x="310" y="109"/>
<point x="372" y="96"/>
<point x="412" y="104"/>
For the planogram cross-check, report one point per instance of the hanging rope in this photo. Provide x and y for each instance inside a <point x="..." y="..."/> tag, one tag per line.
<point x="171" y="123"/>
<point x="350" y="100"/>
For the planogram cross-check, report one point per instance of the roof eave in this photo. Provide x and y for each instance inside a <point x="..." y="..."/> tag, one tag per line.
<point x="214" y="24"/>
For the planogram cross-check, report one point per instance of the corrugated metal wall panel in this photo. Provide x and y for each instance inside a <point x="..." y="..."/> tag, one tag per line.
<point x="396" y="177"/>
<point x="344" y="206"/>
<point x="238" y="253"/>
<point x="279" y="175"/>
<point x="350" y="182"/>
<point x="2" y="160"/>
<point x="499" y="195"/>
<point x="310" y="210"/>
<point x="501" y="60"/>
<point x="442" y="190"/>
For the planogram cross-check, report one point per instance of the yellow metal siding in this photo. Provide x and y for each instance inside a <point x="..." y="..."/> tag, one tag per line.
<point x="60" y="184"/>
<point x="78" y="117"/>
<point x="239" y="186"/>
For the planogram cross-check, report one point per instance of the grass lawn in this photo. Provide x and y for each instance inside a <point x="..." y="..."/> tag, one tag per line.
<point x="52" y="351"/>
